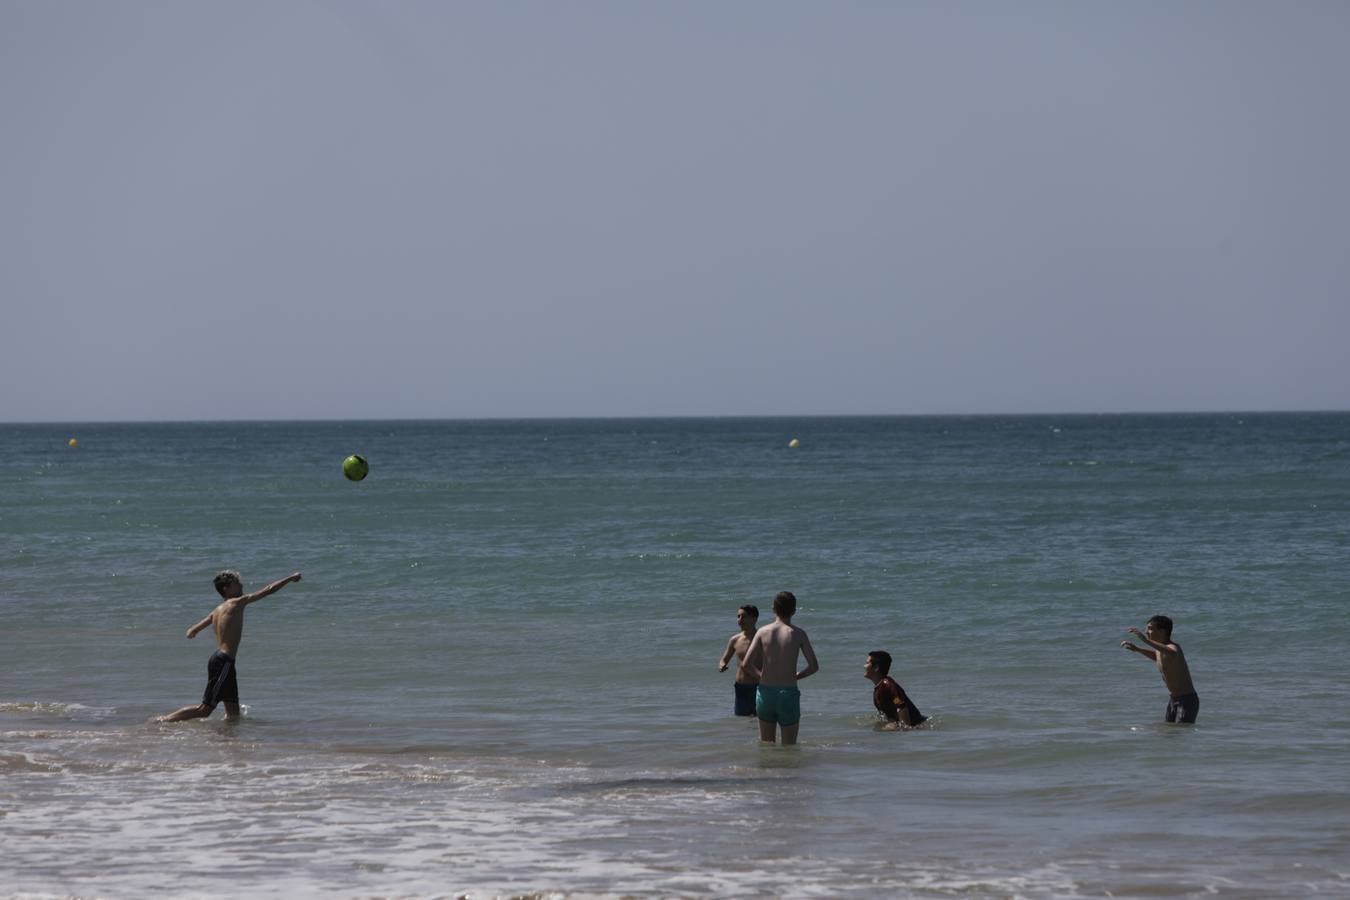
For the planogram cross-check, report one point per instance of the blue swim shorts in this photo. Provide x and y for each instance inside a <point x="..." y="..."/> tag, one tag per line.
<point x="782" y="705"/>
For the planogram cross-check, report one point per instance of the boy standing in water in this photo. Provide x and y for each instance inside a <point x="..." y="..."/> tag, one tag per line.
<point x="1185" y="703"/>
<point x="746" y="617"/>
<point x="888" y="696"/>
<point x="228" y="618"/>
<point x="772" y="660"/>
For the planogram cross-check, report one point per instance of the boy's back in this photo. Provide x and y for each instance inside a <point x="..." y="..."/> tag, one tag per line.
<point x="780" y="643"/>
<point x="773" y="655"/>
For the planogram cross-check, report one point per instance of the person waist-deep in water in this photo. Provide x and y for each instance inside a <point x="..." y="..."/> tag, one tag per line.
<point x="1183" y="705"/>
<point x="747" y="617"/>
<point x="888" y="696"/>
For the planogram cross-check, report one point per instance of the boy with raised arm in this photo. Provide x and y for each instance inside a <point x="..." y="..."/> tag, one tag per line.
<point x="1184" y="704"/>
<point x="746" y="617"/>
<point x="888" y="696"/>
<point x="772" y="660"/>
<point x="228" y="619"/>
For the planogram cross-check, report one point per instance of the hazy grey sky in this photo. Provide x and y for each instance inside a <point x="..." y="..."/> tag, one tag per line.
<point x="446" y="209"/>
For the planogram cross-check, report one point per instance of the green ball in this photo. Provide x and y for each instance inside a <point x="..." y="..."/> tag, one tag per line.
<point x="355" y="467"/>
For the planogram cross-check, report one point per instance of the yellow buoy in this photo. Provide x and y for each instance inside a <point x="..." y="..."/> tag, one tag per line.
<point x="794" y="443"/>
<point x="72" y="443"/>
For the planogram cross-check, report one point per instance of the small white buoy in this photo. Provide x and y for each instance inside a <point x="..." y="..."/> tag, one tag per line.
<point x="794" y="443"/>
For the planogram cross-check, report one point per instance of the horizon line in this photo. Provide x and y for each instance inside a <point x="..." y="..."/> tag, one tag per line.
<point x="688" y="417"/>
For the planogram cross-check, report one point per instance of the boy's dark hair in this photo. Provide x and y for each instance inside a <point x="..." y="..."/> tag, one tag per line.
<point x="785" y="604"/>
<point x="750" y="609"/>
<point x="228" y="577"/>
<point x="881" y="661"/>
<point x="1162" y="622"/>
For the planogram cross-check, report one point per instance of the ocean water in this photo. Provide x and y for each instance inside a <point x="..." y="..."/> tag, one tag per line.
<point x="498" y="676"/>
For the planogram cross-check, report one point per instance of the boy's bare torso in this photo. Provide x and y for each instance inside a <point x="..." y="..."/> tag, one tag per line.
<point x="1175" y="673"/>
<point x="781" y="643"/>
<point x="740" y="642"/>
<point x="228" y="619"/>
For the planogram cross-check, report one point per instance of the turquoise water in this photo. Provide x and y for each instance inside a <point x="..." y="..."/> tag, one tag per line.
<point x="499" y="673"/>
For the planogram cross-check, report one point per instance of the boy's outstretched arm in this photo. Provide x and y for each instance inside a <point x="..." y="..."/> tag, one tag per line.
<point x="1156" y="645"/>
<point x="726" y="657"/>
<point x="192" y="632"/>
<point x="270" y="589"/>
<point x="1151" y="654"/>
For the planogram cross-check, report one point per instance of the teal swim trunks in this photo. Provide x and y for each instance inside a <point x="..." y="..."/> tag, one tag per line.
<point x="782" y="705"/>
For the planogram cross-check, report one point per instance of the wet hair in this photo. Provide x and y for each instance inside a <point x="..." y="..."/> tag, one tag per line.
<point x="751" y="610"/>
<point x="1162" y="622"/>
<point x="228" y="577"/>
<point x="785" y="604"/>
<point x="881" y="661"/>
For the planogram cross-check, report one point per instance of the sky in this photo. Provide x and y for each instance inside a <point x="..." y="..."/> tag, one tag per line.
<point x="334" y="210"/>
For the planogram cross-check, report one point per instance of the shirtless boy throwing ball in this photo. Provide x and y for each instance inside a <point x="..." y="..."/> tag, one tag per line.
<point x="228" y="619"/>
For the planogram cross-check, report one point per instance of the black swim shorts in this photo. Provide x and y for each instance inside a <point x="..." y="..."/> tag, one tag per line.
<point x="221" y="684"/>
<point x="1183" y="709"/>
<point x="745" y="699"/>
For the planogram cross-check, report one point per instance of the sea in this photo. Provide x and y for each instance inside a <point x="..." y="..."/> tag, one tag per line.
<point x="498" y="676"/>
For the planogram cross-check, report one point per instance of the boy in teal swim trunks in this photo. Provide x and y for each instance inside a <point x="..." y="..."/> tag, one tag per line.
<point x="772" y="657"/>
